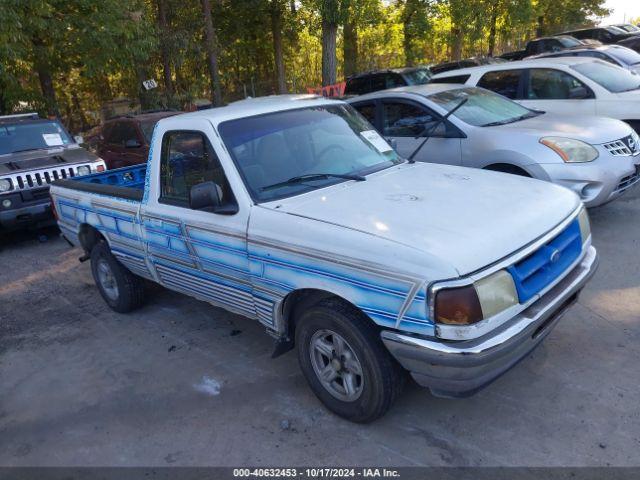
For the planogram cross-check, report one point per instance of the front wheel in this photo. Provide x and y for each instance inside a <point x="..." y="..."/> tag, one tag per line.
<point x="122" y="290"/>
<point x="345" y="363"/>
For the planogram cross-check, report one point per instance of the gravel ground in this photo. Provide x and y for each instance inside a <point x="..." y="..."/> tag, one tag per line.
<point x="180" y="382"/>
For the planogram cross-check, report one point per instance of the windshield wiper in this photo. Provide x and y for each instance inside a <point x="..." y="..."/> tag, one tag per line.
<point x="311" y="177"/>
<point x="512" y="120"/>
<point x="29" y="149"/>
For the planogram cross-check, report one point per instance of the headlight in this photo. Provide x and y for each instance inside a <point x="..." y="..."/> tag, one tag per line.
<point x="84" y="170"/>
<point x="571" y="150"/>
<point x="585" y="226"/>
<point x="5" y="185"/>
<point x="483" y="299"/>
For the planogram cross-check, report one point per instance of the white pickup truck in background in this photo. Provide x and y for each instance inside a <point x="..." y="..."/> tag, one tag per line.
<point x="293" y="211"/>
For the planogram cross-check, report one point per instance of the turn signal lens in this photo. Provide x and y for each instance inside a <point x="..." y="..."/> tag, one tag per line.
<point x="585" y="226"/>
<point x="458" y="306"/>
<point x="496" y="293"/>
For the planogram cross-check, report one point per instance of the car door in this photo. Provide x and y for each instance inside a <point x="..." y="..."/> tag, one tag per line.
<point x="404" y="123"/>
<point x="114" y="145"/>
<point x="198" y="252"/>
<point x="557" y="91"/>
<point x="133" y="150"/>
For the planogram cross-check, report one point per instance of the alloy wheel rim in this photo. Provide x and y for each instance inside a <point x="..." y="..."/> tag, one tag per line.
<point x="107" y="280"/>
<point x="336" y="365"/>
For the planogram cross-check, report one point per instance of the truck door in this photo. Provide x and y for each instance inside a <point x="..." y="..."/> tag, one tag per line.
<point x="201" y="252"/>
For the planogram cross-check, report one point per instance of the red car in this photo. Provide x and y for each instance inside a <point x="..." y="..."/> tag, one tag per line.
<point x="124" y="141"/>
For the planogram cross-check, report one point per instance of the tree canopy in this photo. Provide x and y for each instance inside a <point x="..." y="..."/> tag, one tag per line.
<point x="68" y="57"/>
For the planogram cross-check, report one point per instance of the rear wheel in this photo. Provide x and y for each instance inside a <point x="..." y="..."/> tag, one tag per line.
<point x="345" y="363"/>
<point x="122" y="290"/>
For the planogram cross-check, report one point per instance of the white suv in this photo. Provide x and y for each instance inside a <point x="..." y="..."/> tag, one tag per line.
<point x="577" y="86"/>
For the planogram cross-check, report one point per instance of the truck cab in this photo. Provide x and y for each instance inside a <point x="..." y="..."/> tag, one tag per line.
<point x="34" y="152"/>
<point x="293" y="211"/>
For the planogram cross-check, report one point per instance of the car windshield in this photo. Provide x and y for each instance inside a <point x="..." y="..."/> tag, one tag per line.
<point x="629" y="28"/>
<point x="569" y="42"/>
<point x="625" y="55"/>
<point x="20" y="137"/>
<point x="278" y="147"/>
<point x="611" y="77"/>
<point x="418" y="77"/>
<point x="483" y="108"/>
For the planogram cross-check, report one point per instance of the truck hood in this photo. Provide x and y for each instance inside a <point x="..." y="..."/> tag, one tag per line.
<point x="21" y="161"/>
<point x="593" y="130"/>
<point x="468" y="217"/>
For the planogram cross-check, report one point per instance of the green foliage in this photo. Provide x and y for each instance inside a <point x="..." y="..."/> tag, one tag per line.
<point x="96" y="51"/>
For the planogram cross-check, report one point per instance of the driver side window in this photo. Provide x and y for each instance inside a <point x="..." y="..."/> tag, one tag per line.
<point x="187" y="159"/>
<point x="405" y="120"/>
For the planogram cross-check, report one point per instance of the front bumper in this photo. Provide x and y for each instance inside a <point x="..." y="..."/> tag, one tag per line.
<point x="460" y="368"/>
<point x="597" y="182"/>
<point x="28" y="208"/>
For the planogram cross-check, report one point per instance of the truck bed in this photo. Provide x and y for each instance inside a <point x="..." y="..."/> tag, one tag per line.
<point x="126" y="182"/>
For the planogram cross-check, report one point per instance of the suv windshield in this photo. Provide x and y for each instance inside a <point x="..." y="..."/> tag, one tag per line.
<point x="276" y="147"/>
<point x="483" y="108"/>
<point x="19" y="137"/>
<point x="418" y="77"/>
<point x="569" y="42"/>
<point x="611" y="77"/>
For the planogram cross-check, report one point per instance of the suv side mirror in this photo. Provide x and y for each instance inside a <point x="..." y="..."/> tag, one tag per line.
<point x="132" y="143"/>
<point x="78" y="139"/>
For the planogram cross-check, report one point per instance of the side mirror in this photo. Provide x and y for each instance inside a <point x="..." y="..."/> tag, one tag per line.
<point x="578" y="93"/>
<point x="205" y="196"/>
<point x="132" y="143"/>
<point x="78" y="139"/>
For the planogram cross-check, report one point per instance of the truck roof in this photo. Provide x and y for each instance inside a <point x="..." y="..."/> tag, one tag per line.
<point x="255" y="106"/>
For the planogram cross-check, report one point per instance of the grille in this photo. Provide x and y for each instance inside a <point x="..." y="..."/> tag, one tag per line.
<point x="42" y="178"/>
<point x="624" y="147"/>
<point x="628" y="181"/>
<point x="535" y="272"/>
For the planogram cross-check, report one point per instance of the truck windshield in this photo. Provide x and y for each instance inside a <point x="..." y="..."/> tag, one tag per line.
<point x="20" y="137"/>
<point x="611" y="77"/>
<point x="334" y="142"/>
<point x="483" y="108"/>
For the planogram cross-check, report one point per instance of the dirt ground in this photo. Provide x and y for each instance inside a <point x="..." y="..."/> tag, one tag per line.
<point x="180" y="382"/>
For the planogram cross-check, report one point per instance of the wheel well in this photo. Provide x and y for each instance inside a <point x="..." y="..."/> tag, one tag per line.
<point x="635" y="124"/>
<point x="89" y="236"/>
<point x="507" y="168"/>
<point x="299" y="300"/>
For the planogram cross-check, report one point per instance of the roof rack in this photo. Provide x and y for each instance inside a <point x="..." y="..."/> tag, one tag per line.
<point x="14" y="116"/>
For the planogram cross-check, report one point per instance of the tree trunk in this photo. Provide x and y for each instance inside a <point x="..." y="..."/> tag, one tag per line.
<point x="329" y="59"/>
<point x="48" y="91"/>
<point x="457" y="37"/>
<point x="492" y="28"/>
<point x="163" y="26"/>
<point x="211" y="41"/>
<point x="350" y="48"/>
<point x="276" y="30"/>
<point x="540" y="26"/>
<point x="407" y="32"/>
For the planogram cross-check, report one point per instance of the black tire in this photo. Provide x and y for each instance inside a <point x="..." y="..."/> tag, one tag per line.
<point x="129" y="293"/>
<point x="382" y="378"/>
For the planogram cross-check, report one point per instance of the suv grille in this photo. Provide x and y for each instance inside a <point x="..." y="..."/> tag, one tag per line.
<point x="628" y="181"/>
<point x="542" y="267"/>
<point x="624" y="147"/>
<point x="42" y="178"/>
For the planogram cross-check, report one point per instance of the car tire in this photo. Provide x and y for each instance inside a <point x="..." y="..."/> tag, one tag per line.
<point x="121" y="290"/>
<point x="345" y="362"/>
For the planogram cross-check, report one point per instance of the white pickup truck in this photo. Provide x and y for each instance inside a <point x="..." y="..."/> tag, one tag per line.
<point x="293" y="211"/>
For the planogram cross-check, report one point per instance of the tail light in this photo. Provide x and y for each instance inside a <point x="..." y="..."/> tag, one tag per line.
<point x="53" y="209"/>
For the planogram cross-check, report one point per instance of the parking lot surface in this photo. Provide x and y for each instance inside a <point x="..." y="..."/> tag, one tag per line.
<point x="180" y="382"/>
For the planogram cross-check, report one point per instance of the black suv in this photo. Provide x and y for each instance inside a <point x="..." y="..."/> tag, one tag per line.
<point x="383" y="79"/>
<point x="33" y="153"/>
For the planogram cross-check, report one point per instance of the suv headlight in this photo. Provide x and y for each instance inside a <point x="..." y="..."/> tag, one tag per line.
<point x="5" y="185"/>
<point x="84" y="170"/>
<point x="570" y="149"/>
<point x="483" y="299"/>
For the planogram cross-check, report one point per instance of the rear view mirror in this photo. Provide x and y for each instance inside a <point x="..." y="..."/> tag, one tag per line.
<point x="205" y="196"/>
